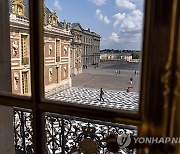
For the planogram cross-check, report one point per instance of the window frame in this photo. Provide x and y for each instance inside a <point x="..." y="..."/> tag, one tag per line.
<point x="145" y="119"/>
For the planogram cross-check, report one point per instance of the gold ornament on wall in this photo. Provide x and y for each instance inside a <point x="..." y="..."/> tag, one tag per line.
<point x="18" y="7"/>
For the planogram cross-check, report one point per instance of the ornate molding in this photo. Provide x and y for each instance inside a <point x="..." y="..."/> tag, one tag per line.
<point x="18" y="7"/>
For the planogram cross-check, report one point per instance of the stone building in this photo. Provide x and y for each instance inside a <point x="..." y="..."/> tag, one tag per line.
<point x="76" y="49"/>
<point x="85" y="48"/>
<point x="91" y="48"/>
<point x="116" y="56"/>
<point x="56" y="50"/>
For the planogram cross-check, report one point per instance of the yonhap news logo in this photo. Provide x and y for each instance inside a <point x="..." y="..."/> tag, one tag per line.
<point x="126" y="140"/>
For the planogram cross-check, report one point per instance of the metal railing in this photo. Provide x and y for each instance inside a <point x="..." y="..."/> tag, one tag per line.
<point x="23" y="131"/>
<point x="66" y="134"/>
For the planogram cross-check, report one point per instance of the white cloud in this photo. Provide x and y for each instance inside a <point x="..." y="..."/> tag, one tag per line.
<point x="57" y="5"/>
<point x="127" y="33"/>
<point x="125" y="4"/>
<point x="129" y="26"/>
<point x="122" y="41"/>
<point x="134" y="38"/>
<point x="101" y="17"/>
<point x="98" y="2"/>
<point x="129" y="22"/>
<point x="98" y="11"/>
<point x="114" y="37"/>
<point x="106" y="20"/>
<point x="118" y="17"/>
<point x="132" y="21"/>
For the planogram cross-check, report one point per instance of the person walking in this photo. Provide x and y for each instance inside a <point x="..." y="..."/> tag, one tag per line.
<point x="131" y="79"/>
<point x="128" y="89"/>
<point x="101" y="94"/>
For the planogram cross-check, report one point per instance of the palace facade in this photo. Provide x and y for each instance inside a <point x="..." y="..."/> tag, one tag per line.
<point x="56" y="50"/>
<point x="67" y="48"/>
<point x="91" y="48"/>
<point x="85" y="48"/>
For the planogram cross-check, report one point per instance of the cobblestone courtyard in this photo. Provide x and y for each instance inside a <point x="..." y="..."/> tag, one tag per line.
<point x="88" y="96"/>
<point x="86" y="87"/>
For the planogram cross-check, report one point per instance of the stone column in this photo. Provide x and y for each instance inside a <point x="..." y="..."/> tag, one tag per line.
<point x="6" y="113"/>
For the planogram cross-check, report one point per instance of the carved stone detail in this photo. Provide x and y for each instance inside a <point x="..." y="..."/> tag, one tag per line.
<point x="15" y="47"/>
<point x="50" y="74"/>
<point x="65" y="49"/>
<point x="50" y="49"/>
<point x="16" y="80"/>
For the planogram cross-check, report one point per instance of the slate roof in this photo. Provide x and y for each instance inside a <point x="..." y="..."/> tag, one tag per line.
<point x="84" y="30"/>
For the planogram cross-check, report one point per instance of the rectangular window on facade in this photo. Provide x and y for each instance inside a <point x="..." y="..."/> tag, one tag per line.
<point x="57" y="75"/>
<point x="25" y="89"/>
<point x="57" y="50"/>
<point x="24" y="50"/>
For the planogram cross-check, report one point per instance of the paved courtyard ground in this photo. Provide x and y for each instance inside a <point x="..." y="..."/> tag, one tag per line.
<point x="89" y="96"/>
<point x="86" y="86"/>
<point x="105" y="76"/>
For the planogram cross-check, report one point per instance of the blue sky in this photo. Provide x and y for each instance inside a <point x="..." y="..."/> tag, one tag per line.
<point x="119" y="22"/>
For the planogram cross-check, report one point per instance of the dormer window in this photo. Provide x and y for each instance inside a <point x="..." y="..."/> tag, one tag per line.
<point x="18" y="7"/>
<point x="54" y="19"/>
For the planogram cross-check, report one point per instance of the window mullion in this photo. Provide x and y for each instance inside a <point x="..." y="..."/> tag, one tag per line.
<point x="37" y="73"/>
